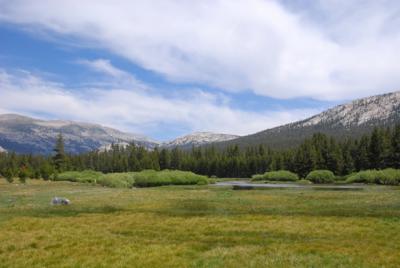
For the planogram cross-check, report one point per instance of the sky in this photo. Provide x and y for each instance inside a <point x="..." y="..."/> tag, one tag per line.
<point x="169" y="68"/>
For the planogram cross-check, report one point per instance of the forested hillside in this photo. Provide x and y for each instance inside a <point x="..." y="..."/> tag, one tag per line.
<point x="376" y="150"/>
<point x="348" y="120"/>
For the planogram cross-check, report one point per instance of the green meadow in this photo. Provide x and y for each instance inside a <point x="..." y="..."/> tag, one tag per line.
<point x="197" y="226"/>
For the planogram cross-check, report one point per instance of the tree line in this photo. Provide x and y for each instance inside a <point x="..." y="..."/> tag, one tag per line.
<point x="378" y="150"/>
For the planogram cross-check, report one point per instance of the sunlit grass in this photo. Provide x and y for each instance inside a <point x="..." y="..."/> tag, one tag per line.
<point x="197" y="226"/>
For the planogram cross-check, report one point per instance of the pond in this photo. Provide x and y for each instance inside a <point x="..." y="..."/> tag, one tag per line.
<point x="243" y="185"/>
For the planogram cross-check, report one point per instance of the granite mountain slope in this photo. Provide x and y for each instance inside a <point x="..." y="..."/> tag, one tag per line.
<point x="23" y="134"/>
<point x="347" y="120"/>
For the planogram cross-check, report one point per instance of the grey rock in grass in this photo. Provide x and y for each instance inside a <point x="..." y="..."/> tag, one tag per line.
<point x="60" y="201"/>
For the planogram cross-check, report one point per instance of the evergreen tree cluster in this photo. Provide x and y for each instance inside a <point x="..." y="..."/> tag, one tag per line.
<point x="378" y="150"/>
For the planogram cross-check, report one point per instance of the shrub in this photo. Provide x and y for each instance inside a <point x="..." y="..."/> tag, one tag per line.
<point x="86" y="176"/>
<point x="321" y="176"/>
<point x="150" y="178"/>
<point x="22" y="179"/>
<point x="46" y="170"/>
<point x="280" y="175"/>
<point x="146" y="178"/>
<point x="341" y="179"/>
<point x="117" y="180"/>
<point x="305" y="182"/>
<point x="366" y="176"/>
<point x="257" y="177"/>
<point x="23" y="175"/>
<point x="386" y="177"/>
<point x="8" y="175"/>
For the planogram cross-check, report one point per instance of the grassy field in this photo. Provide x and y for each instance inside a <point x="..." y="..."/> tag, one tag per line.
<point x="197" y="226"/>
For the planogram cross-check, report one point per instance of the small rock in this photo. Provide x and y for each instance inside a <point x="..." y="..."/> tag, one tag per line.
<point x="60" y="201"/>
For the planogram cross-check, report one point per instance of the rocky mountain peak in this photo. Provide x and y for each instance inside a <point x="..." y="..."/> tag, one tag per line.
<point x="199" y="138"/>
<point x="359" y="112"/>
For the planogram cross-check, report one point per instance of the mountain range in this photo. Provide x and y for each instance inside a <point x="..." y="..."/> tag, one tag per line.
<point x="199" y="139"/>
<point x="347" y="120"/>
<point x="185" y="142"/>
<point x="28" y="135"/>
<point x="23" y="134"/>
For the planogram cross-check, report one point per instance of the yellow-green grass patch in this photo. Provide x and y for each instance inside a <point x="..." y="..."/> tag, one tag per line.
<point x="197" y="226"/>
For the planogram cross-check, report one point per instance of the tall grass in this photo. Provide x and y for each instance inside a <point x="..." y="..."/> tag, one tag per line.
<point x="150" y="178"/>
<point x="386" y="177"/>
<point x="117" y="180"/>
<point x="280" y="175"/>
<point x="146" y="178"/>
<point x="197" y="227"/>
<point x="86" y="176"/>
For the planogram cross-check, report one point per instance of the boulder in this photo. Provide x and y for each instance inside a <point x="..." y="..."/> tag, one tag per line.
<point x="60" y="201"/>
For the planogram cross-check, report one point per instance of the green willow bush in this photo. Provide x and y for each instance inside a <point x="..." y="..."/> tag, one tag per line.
<point x="86" y="176"/>
<point x="150" y="178"/>
<point x="146" y="178"/>
<point x="117" y="180"/>
<point x="386" y="177"/>
<point x="280" y="175"/>
<point x="321" y="176"/>
<point x="304" y="182"/>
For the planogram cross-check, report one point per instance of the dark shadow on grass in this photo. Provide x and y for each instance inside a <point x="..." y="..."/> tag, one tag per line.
<point x="203" y="208"/>
<point x="212" y="238"/>
<point x="64" y="211"/>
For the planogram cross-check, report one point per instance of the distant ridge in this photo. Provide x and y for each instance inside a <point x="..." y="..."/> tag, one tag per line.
<point x="23" y="134"/>
<point x="195" y="139"/>
<point x="347" y="120"/>
<point x="198" y="139"/>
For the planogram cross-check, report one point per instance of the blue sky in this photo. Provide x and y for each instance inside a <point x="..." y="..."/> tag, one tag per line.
<point x="165" y="69"/>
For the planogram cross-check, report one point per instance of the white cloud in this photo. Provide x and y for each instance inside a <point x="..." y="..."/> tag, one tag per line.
<point x="321" y="49"/>
<point x="119" y="78"/>
<point x="133" y="110"/>
<point x="104" y="66"/>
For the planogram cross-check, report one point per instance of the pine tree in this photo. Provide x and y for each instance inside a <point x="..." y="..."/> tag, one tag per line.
<point x="305" y="159"/>
<point x="176" y="158"/>
<point x="348" y="162"/>
<point x="155" y="160"/>
<point x="395" y="148"/>
<point x="362" y="154"/>
<point x="376" y="149"/>
<point x="9" y="175"/>
<point x="165" y="159"/>
<point x="59" y="158"/>
<point x="11" y="170"/>
<point x="386" y="144"/>
<point x="133" y="162"/>
<point x="323" y="153"/>
<point x="23" y="173"/>
<point x="46" y="170"/>
<point x="334" y="157"/>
